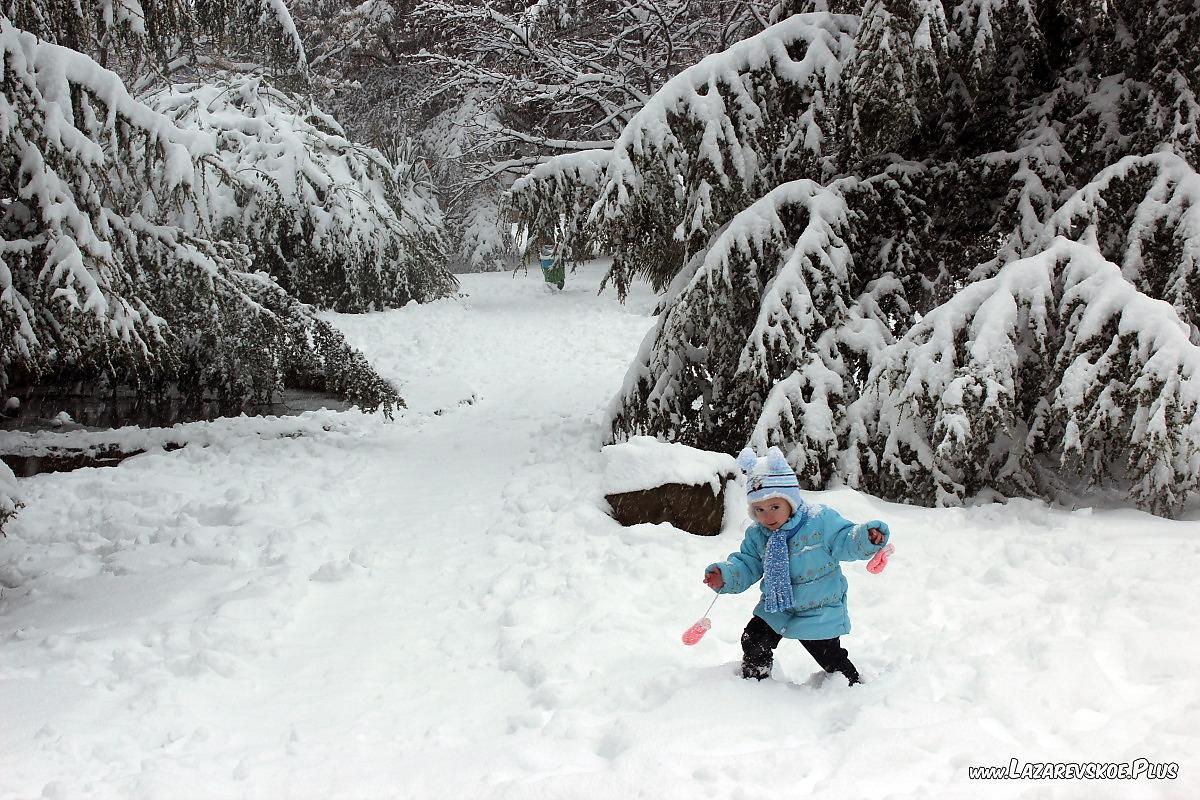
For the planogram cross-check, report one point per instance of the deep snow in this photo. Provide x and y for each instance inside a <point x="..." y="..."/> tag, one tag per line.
<point x="438" y="607"/>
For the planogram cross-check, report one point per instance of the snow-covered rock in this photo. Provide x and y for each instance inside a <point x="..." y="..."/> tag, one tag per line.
<point x="643" y="462"/>
<point x="648" y="481"/>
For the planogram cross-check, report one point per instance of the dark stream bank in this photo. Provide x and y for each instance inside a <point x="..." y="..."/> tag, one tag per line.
<point x="40" y="409"/>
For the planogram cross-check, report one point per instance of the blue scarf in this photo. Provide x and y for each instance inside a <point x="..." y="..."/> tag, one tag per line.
<point x="777" y="571"/>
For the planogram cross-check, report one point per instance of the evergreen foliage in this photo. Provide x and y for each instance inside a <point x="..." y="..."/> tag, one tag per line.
<point x="156" y="38"/>
<point x="713" y="139"/>
<point x="931" y="249"/>
<point x="108" y="272"/>
<point x="336" y="223"/>
<point x="163" y="241"/>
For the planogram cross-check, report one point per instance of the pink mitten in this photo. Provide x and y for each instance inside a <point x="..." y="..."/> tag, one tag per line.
<point x="876" y="564"/>
<point x="696" y="632"/>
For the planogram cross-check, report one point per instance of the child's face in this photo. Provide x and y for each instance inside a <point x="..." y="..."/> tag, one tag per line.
<point x="771" y="513"/>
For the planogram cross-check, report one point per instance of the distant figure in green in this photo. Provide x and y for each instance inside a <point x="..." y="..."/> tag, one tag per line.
<point x="552" y="268"/>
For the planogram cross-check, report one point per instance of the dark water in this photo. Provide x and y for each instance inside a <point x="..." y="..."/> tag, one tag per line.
<point x="40" y="409"/>
<point x="26" y="466"/>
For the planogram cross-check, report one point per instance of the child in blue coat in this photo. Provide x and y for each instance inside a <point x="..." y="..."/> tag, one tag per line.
<point x="794" y="547"/>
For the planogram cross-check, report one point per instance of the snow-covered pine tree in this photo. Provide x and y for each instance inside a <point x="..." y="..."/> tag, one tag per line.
<point x="485" y="241"/>
<point x="715" y="138"/>
<point x="112" y="269"/>
<point x="895" y="74"/>
<point x="334" y="222"/>
<point x="155" y="38"/>
<point x="1057" y="360"/>
<point x="969" y="265"/>
<point x="553" y="201"/>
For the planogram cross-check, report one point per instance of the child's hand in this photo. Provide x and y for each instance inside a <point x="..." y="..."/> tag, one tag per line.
<point x="713" y="579"/>
<point x="875" y="535"/>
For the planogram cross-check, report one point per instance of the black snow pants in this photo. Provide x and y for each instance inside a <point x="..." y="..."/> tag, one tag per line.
<point x="758" y="652"/>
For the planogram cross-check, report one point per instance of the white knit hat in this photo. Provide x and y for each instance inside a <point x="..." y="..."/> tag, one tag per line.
<point x="769" y="477"/>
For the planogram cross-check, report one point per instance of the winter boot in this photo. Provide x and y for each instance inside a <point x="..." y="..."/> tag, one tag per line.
<point x="847" y="669"/>
<point x="755" y="671"/>
<point x="758" y="649"/>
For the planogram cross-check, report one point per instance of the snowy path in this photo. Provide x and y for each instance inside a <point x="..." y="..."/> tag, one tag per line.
<point x="439" y="608"/>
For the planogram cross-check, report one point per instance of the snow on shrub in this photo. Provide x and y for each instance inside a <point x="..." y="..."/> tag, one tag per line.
<point x="554" y="200"/>
<point x="714" y="138"/>
<point x="1056" y="366"/>
<point x="334" y="222"/>
<point x="109" y="272"/>
<point x="1143" y="213"/>
<point x="886" y="238"/>
<point x="707" y="385"/>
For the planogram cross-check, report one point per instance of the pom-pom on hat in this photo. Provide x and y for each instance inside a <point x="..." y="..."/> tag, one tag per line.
<point x="769" y="477"/>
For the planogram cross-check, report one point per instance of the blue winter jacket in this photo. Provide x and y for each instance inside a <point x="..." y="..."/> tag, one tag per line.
<point x="818" y="585"/>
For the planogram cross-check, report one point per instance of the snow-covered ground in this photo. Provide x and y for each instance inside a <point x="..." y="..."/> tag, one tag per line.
<point x="438" y="607"/>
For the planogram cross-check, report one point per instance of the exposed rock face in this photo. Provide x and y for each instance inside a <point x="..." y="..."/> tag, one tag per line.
<point x="689" y="507"/>
<point x="648" y="481"/>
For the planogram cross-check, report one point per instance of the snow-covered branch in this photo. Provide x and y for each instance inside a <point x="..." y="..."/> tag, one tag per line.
<point x="976" y="271"/>
<point x="112" y="270"/>
<point x="334" y="222"/>
<point x="711" y="140"/>
<point x="1056" y="362"/>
